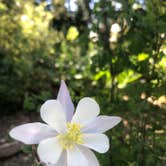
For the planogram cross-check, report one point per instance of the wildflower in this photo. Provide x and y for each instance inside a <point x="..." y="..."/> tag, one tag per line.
<point x="114" y="32"/>
<point x="66" y="137"/>
<point x="115" y="28"/>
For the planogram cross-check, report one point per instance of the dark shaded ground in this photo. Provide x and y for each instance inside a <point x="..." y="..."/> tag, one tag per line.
<point x="18" y="158"/>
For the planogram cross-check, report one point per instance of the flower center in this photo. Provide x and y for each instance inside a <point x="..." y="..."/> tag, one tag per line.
<point x="71" y="137"/>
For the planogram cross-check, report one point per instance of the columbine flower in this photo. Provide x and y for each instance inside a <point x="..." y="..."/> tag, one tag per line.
<point x="66" y="137"/>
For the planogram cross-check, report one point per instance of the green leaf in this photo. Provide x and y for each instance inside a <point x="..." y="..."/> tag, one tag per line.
<point x="127" y="76"/>
<point x="26" y="149"/>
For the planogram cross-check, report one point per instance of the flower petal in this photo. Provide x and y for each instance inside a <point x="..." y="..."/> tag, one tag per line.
<point x="52" y="113"/>
<point x="97" y="142"/>
<point x="102" y="124"/>
<point x="86" y="111"/>
<point x="65" y="100"/>
<point x="75" y="157"/>
<point x="90" y="156"/>
<point x="62" y="160"/>
<point x="32" y="133"/>
<point x="49" y="150"/>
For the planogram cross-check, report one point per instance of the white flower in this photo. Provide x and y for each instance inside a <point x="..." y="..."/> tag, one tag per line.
<point x="66" y="137"/>
<point x="114" y="32"/>
<point x="93" y="36"/>
<point x="115" y="28"/>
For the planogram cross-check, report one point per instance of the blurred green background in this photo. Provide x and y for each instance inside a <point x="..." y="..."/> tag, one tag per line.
<point x="111" y="50"/>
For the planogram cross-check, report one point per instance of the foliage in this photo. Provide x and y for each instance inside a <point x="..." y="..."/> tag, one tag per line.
<point x="123" y="68"/>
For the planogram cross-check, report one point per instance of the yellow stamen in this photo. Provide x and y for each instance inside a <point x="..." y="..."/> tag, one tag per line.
<point x="71" y="137"/>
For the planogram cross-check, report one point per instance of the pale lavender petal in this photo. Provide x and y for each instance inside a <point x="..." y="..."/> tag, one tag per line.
<point x="75" y="157"/>
<point x="49" y="150"/>
<point x="52" y="113"/>
<point x="101" y="124"/>
<point x="87" y="110"/>
<point x="62" y="160"/>
<point x="90" y="156"/>
<point x="65" y="99"/>
<point x="97" y="142"/>
<point x="32" y="133"/>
